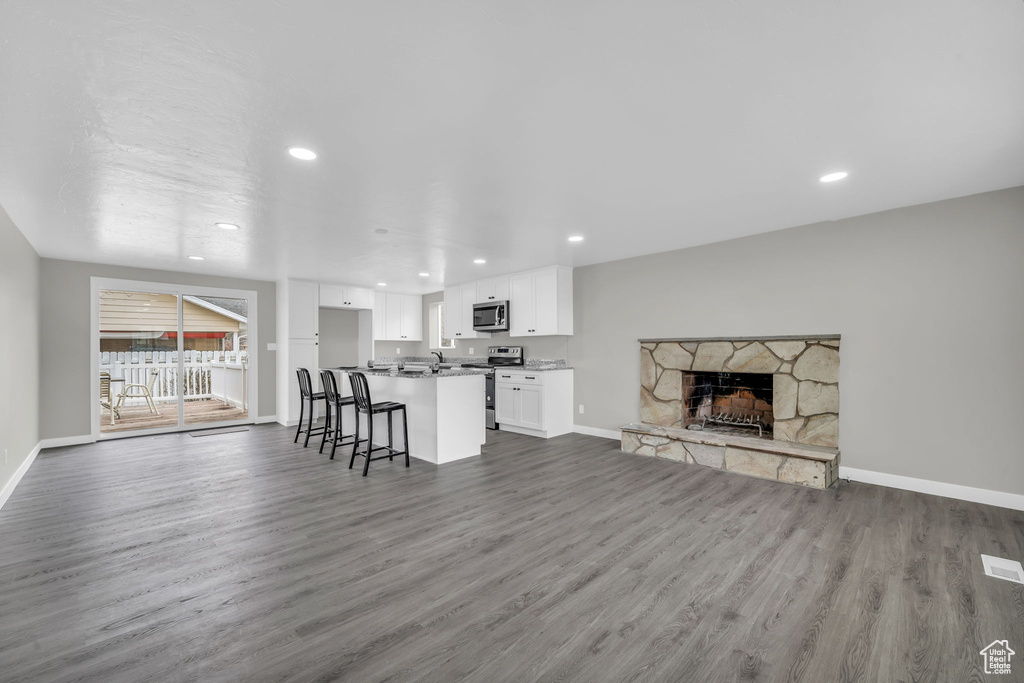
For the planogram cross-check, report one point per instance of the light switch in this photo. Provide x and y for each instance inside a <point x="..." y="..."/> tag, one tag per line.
<point x="271" y="346"/>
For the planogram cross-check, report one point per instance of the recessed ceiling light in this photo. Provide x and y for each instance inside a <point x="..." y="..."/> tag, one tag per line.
<point x="381" y="231"/>
<point x="198" y="258"/>
<point x="227" y="226"/>
<point x="382" y="284"/>
<point x="832" y="177"/>
<point x="424" y="274"/>
<point x="479" y="261"/>
<point x="302" y="153"/>
<point x="576" y="238"/>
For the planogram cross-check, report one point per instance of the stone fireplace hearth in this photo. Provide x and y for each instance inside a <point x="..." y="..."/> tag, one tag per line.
<point x="768" y="406"/>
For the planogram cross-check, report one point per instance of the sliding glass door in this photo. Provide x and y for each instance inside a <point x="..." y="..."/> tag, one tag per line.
<point x="167" y="358"/>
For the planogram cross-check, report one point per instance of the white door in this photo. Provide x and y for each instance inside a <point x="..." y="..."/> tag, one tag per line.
<point x="303" y="309"/>
<point x="505" y="398"/>
<point x="545" y="301"/>
<point x="393" y="317"/>
<point x="453" y="317"/>
<point x="530" y="407"/>
<point x="521" y="304"/>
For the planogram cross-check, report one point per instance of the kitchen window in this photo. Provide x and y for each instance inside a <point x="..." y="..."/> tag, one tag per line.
<point x="437" y="338"/>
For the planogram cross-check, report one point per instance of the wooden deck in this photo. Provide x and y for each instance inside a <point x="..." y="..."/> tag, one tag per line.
<point x="196" y="412"/>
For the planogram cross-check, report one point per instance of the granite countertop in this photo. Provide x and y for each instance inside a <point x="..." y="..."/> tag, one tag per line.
<point x="414" y="372"/>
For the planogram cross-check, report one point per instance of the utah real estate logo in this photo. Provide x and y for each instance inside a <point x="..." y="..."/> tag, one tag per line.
<point x="997" y="657"/>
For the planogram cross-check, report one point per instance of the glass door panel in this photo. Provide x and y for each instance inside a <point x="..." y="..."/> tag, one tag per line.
<point x="215" y="359"/>
<point x="138" y="360"/>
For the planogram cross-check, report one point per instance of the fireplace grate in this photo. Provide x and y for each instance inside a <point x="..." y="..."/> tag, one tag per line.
<point x="736" y="420"/>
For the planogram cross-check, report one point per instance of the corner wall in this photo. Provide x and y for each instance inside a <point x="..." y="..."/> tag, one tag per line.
<point x="928" y="299"/>
<point x="19" y="352"/>
<point x="65" y="378"/>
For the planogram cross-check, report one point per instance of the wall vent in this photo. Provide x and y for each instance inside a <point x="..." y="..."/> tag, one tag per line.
<point x="1003" y="569"/>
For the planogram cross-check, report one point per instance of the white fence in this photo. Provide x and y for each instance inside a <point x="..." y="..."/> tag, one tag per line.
<point x="207" y="374"/>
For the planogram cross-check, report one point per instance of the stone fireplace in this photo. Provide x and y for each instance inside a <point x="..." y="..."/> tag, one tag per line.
<point x="766" y="406"/>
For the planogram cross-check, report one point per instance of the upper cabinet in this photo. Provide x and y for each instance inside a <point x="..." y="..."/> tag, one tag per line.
<point x="493" y="289"/>
<point x="303" y="316"/>
<point x="458" y="312"/>
<point x="540" y="302"/>
<point x="346" y="296"/>
<point x="398" y="316"/>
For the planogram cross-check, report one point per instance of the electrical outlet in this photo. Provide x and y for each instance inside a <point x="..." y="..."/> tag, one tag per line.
<point x="398" y="351"/>
<point x="581" y="409"/>
<point x="471" y="350"/>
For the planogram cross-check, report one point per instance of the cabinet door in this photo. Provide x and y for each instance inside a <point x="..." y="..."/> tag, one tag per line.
<point x="545" y="302"/>
<point x="332" y="296"/>
<point x="303" y="309"/>
<point x="505" y="398"/>
<point x="412" y="317"/>
<point x="393" y="317"/>
<point x="380" y="307"/>
<point x="530" y="413"/>
<point x="492" y="289"/>
<point x="521" y="305"/>
<point x="302" y="353"/>
<point x="359" y="297"/>
<point x="453" y="312"/>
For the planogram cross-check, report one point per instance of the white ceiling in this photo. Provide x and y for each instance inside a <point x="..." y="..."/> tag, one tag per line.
<point x="487" y="129"/>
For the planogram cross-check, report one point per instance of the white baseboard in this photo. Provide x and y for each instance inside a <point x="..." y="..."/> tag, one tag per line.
<point x="264" y="419"/>
<point x="936" y="488"/>
<point x="594" y="431"/>
<point x="8" y="488"/>
<point x="67" y="441"/>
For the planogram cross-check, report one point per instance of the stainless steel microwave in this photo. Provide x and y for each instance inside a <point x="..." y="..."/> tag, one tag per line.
<point x="491" y="316"/>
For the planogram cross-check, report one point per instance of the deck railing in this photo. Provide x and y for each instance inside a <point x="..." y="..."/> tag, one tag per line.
<point x="199" y="380"/>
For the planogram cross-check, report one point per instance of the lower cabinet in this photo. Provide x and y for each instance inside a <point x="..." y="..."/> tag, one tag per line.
<point x="534" y="403"/>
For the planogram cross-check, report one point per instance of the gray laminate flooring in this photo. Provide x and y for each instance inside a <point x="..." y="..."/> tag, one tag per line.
<point x="243" y="557"/>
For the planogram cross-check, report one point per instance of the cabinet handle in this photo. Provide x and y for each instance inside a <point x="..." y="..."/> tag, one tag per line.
<point x="528" y="377"/>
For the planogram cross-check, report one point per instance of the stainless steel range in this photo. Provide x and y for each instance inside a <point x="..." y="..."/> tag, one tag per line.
<point x="497" y="357"/>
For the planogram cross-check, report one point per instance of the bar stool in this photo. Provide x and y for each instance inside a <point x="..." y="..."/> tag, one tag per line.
<point x="307" y="399"/>
<point x="365" y="406"/>
<point x="336" y="401"/>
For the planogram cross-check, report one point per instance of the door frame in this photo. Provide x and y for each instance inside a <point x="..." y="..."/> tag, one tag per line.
<point x="252" y="388"/>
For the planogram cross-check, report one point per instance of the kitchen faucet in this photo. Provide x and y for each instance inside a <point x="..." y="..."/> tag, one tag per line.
<point x="440" y="356"/>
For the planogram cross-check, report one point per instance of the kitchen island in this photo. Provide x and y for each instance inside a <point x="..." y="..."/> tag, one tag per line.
<point x="446" y="410"/>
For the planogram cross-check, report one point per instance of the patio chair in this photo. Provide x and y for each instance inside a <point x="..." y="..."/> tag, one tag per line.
<point x="141" y="391"/>
<point x="105" y="400"/>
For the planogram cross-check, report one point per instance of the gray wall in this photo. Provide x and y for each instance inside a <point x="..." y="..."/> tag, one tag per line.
<point x="339" y="337"/>
<point x="533" y="347"/>
<point x="65" y="338"/>
<point x="929" y="301"/>
<point x="19" y="348"/>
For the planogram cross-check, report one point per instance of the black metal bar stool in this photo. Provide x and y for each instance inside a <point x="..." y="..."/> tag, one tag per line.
<point x="307" y="400"/>
<point x="336" y="402"/>
<point x="365" y="406"/>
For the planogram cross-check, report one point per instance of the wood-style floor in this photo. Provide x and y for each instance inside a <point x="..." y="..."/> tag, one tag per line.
<point x="196" y="413"/>
<point x="242" y="557"/>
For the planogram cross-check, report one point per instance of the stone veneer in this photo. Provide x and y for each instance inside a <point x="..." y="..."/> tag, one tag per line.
<point x="805" y="396"/>
<point x="805" y="406"/>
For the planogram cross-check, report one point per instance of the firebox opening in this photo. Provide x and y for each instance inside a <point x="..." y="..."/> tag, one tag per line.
<point x="731" y="402"/>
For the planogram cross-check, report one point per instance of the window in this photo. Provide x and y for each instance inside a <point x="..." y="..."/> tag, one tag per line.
<point x="437" y="338"/>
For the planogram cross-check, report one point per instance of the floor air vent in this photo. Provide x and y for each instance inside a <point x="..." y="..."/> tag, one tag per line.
<point x="1003" y="569"/>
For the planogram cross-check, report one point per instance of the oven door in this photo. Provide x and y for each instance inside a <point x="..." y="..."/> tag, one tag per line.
<point x="490" y="317"/>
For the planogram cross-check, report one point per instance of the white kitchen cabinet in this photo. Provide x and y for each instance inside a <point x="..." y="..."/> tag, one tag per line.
<point x="534" y="403"/>
<point x="458" y="312"/>
<point x="540" y="302"/>
<point x="380" y="323"/>
<point x="346" y="296"/>
<point x="303" y="353"/>
<point x="398" y="317"/>
<point x="492" y="289"/>
<point x="303" y="309"/>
